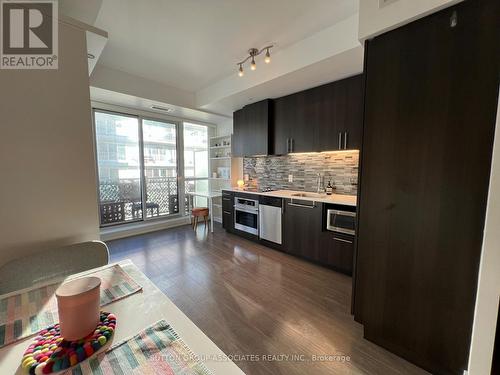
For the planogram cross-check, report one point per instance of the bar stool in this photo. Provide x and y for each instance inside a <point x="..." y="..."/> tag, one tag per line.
<point x="199" y="212"/>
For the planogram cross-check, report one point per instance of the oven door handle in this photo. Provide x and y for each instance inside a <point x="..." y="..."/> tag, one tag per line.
<point x="247" y="210"/>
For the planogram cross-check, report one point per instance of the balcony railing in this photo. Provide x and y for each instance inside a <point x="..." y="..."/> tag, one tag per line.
<point x="120" y="201"/>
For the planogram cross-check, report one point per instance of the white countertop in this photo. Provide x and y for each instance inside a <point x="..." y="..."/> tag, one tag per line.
<point x="346" y="200"/>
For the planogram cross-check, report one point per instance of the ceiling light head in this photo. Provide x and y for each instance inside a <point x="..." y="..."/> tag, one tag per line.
<point x="267" y="59"/>
<point x="240" y="71"/>
<point x="253" y="66"/>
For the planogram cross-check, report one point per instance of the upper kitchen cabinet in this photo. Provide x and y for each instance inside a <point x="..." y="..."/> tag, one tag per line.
<point x="324" y="118"/>
<point x="291" y="134"/>
<point x="340" y="115"/>
<point x="253" y="125"/>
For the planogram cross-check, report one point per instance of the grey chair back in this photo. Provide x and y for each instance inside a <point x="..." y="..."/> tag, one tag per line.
<point x="47" y="265"/>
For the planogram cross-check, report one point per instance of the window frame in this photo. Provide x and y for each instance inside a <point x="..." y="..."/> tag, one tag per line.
<point x="141" y="115"/>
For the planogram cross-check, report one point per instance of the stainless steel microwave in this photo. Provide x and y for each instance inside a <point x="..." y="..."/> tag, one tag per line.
<point x="341" y="221"/>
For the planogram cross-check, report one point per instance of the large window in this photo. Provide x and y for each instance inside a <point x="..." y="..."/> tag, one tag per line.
<point x="138" y="166"/>
<point x="119" y="167"/>
<point x="196" y="159"/>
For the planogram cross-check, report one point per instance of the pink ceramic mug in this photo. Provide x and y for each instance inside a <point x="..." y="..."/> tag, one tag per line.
<point x="78" y="302"/>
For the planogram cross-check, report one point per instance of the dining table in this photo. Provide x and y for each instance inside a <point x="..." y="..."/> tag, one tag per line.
<point x="135" y="313"/>
<point x="209" y="195"/>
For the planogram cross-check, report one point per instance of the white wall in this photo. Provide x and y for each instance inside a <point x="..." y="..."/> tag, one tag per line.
<point x="117" y="81"/>
<point x="485" y="317"/>
<point x="225" y="127"/>
<point x="375" y="21"/>
<point x="48" y="185"/>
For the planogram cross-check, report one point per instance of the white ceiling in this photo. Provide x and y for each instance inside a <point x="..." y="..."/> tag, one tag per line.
<point x="183" y="53"/>
<point x="189" y="44"/>
<point x="337" y="67"/>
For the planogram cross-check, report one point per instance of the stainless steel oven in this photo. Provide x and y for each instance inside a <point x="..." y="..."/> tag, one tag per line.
<point x="246" y="215"/>
<point x="341" y="221"/>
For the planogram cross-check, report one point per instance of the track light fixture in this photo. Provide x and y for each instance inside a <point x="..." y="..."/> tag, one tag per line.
<point x="252" y="52"/>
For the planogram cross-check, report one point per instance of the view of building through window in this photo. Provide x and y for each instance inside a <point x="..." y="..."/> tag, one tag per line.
<point x="138" y="166"/>
<point x="196" y="159"/>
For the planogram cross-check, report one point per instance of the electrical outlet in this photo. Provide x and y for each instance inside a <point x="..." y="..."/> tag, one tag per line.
<point x="290" y="178"/>
<point x="383" y="3"/>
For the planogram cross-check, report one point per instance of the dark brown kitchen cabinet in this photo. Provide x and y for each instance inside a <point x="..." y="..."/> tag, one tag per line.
<point x="240" y="132"/>
<point x="292" y="133"/>
<point x="340" y="115"/>
<point x="324" y="118"/>
<point x="353" y="125"/>
<point x="302" y="228"/>
<point x="253" y="129"/>
<point x="228" y="211"/>
<point x="429" y="119"/>
<point x="336" y="251"/>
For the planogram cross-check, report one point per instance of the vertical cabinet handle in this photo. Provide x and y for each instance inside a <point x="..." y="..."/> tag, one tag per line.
<point x="345" y="140"/>
<point x="291" y="144"/>
<point x="288" y="145"/>
<point x="340" y="141"/>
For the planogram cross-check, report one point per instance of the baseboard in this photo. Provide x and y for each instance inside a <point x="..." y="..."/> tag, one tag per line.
<point x="133" y="229"/>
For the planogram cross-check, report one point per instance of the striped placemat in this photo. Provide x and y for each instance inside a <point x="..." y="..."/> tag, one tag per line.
<point x="24" y="314"/>
<point x="156" y="350"/>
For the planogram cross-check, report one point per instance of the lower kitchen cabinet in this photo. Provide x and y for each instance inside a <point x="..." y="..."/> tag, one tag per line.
<point x="228" y="211"/>
<point x="303" y="233"/>
<point x="336" y="250"/>
<point x="302" y="228"/>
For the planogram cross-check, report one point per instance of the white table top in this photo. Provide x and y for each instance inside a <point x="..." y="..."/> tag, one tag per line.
<point x="205" y="194"/>
<point x="135" y="313"/>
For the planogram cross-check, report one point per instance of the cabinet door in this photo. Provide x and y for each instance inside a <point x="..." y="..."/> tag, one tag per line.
<point x="302" y="228"/>
<point x="251" y="127"/>
<point x="303" y="132"/>
<point x="336" y="250"/>
<point x="340" y="113"/>
<point x="284" y="119"/>
<point x="332" y="113"/>
<point x="327" y="134"/>
<point x="227" y="211"/>
<point x="257" y="122"/>
<point x="239" y="132"/>
<point x="353" y="128"/>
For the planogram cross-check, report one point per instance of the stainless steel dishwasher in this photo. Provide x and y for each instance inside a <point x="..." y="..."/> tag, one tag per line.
<point x="270" y="216"/>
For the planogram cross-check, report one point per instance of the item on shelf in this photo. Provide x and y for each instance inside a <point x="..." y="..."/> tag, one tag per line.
<point x="329" y="188"/>
<point x="240" y="184"/>
<point x="214" y="175"/>
<point x="224" y="172"/>
<point x="78" y="303"/>
<point x="49" y="352"/>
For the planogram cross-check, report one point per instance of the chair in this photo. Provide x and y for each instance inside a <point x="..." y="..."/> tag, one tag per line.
<point x="50" y="264"/>
<point x="199" y="212"/>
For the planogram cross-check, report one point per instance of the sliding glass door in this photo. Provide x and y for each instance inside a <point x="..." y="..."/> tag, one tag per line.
<point x="119" y="167"/>
<point x="137" y="167"/>
<point x="160" y="168"/>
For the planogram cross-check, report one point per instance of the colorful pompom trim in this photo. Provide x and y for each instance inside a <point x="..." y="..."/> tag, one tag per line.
<point x="49" y="352"/>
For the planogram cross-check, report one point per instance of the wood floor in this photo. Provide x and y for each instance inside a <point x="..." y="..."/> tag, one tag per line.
<point x="252" y="300"/>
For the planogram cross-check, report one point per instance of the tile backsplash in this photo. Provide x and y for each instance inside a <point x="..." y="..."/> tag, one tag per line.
<point x="272" y="171"/>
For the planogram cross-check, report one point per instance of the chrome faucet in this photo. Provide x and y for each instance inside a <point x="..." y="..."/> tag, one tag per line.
<point x="321" y="185"/>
